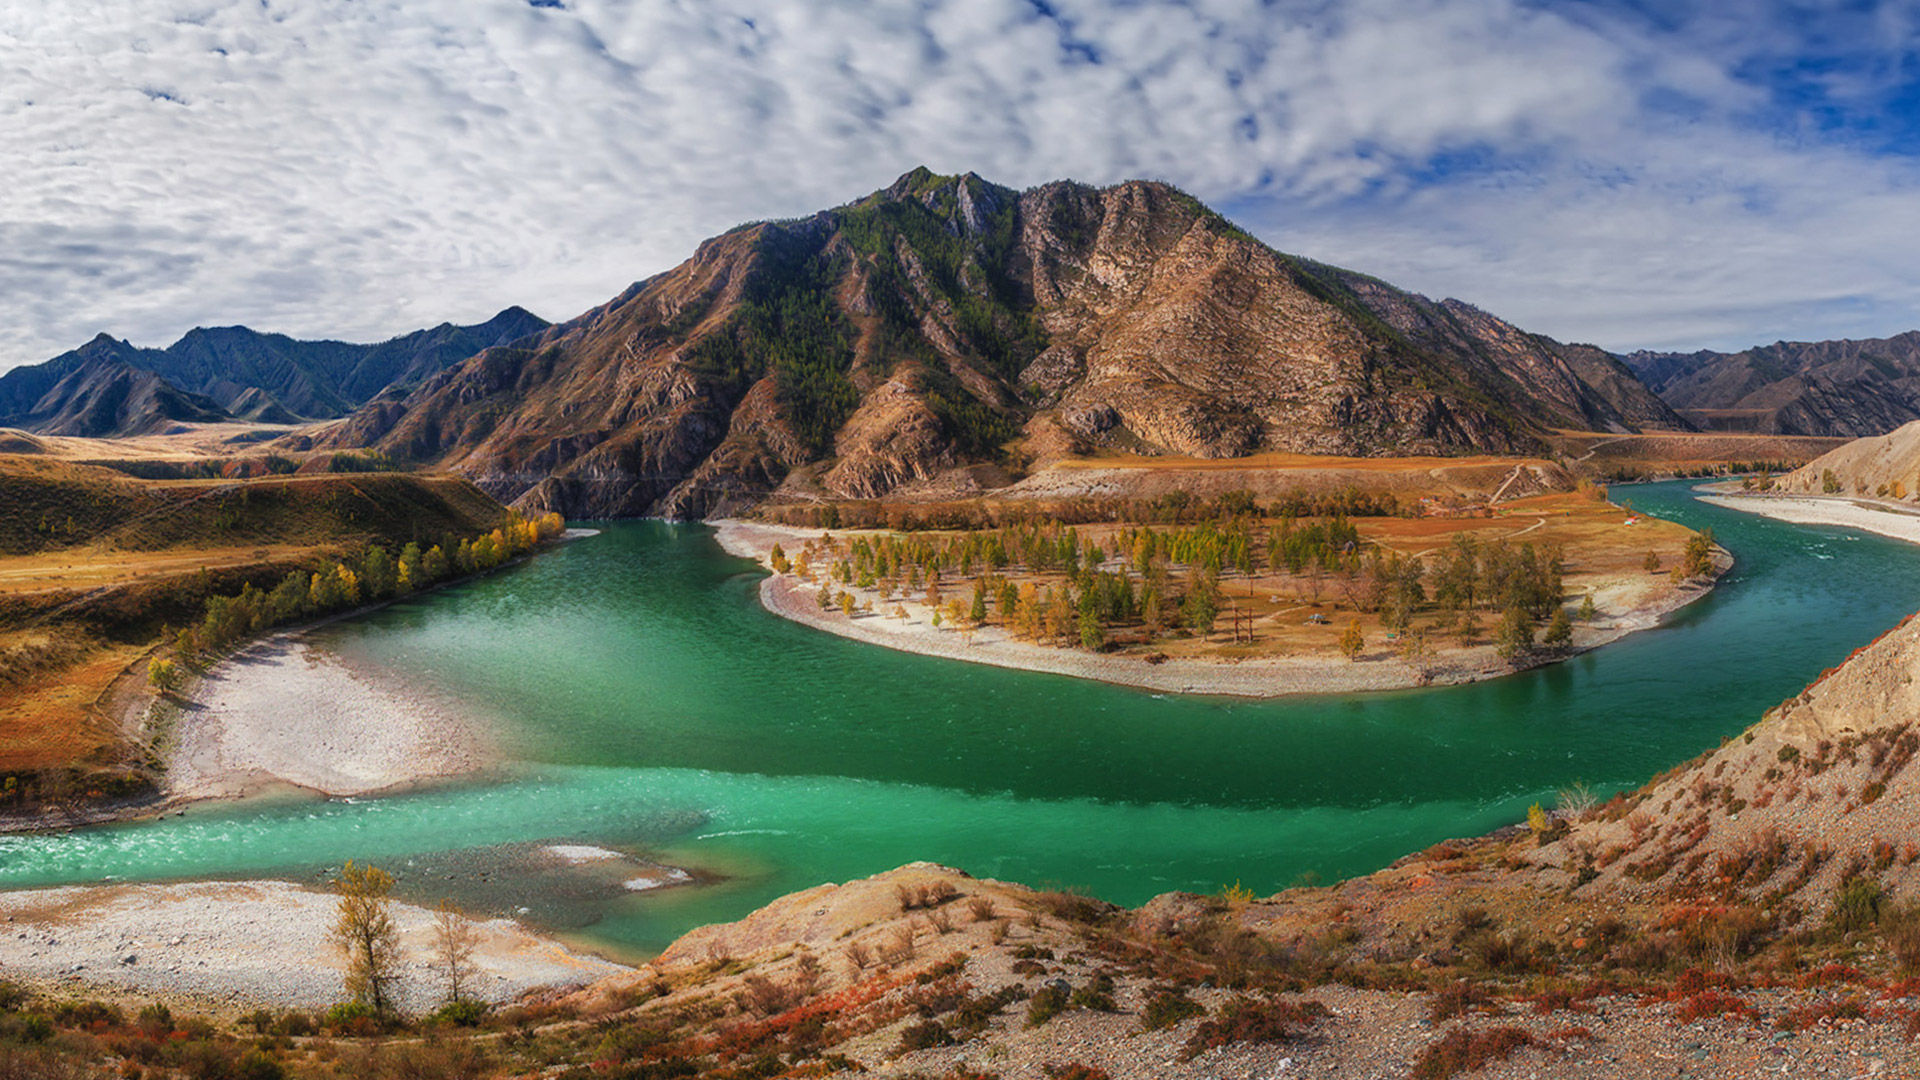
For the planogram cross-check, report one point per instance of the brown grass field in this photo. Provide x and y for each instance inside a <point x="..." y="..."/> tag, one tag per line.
<point x="1604" y="552"/>
<point x="1604" y="556"/>
<point x="96" y="566"/>
<point x="1668" y="453"/>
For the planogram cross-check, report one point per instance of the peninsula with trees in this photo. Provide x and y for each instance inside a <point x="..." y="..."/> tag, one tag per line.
<point x="1306" y="591"/>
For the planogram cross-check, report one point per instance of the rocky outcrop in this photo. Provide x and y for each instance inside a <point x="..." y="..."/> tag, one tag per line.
<point x="1792" y="808"/>
<point x="946" y="322"/>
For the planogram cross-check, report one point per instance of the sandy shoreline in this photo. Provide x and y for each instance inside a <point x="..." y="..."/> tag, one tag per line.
<point x="240" y="945"/>
<point x="282" y="710"/>
<point x="791" y="598"/>
<point x="1850" y="513"/>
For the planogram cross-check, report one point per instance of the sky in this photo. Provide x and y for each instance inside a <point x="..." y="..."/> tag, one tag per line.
<point x="1634" y="173"/>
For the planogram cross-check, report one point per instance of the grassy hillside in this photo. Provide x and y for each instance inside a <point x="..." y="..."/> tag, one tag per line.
<point x="96" y="566"/>
<point x="54" y="505"/>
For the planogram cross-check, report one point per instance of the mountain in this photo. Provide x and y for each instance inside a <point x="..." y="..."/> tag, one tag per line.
<point x="1581" y="387"/>
<point x="1847" y="389"/>
<point x="272" y="378"/>
<point x="316" y="379"/>
<point x="107" y="396"/>
<point x="946" y="321"/>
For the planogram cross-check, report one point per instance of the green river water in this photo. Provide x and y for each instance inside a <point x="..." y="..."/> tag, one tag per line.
<point x="651" y="705"/>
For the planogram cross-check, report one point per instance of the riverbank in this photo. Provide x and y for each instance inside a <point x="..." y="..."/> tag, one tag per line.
<point x="284" y="711"/>
<point x="1868" y="515"/>
<point x="229" y="947"/>
<point x="1629" y="606"/>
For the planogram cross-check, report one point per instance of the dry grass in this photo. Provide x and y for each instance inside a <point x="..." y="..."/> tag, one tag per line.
<point x="1309" y="463"/>
<point x="99" y="563"/>
<point x="1657" y="453"/>
<point x="92" y="568"/>
<point x="50" y="720"/>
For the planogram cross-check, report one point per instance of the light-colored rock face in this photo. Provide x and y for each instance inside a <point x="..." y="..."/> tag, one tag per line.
<point x="1873" y="692"/>
<point x="1819" y="790"/>
<point x="1879" y="466"/>
<point x="918" y="330"/>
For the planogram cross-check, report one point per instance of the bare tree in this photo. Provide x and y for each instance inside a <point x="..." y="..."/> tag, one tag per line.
<point x="454" y="940"/>
<point x="364" y="930"/>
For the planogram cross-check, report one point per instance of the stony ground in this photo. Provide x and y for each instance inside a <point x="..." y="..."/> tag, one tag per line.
<point x="233" y="946"/>
<point x="966" y="973"/>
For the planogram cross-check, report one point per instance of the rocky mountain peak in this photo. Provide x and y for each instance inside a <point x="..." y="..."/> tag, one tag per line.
<point x="945" y="322"/>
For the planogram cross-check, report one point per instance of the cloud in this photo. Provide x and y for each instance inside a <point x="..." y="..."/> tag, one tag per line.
<point x="358" y="168"/>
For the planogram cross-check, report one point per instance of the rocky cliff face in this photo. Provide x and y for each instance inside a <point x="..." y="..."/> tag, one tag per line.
<point x="946" y="321"/>
<point x="1834" y="388"/>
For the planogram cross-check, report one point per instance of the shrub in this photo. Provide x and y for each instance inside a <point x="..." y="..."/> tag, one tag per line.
<point x="1073" y="907"/>
<point x="156" y="1021"/>
<point x="1097" y="995"/>
<point x="1462" y="1051"/>
<point x="254" y="1065"/>
<point x="462" y="1013"/>
<point x="294" y="1024"/>
<point x="1856" y="906"/>
<point x="1169" y="1007"/>
<point x="764" y="997"/>
<point x="924" y="1035"/>
<point x="1048" y="1002"/>
<point x="972" y="1015"/>
<point x="1900" y="926"/>
<point x="351" y="1018"/>
<point x="1712" y="1003"/>
<point x="1718" y="933"/>
<point x="1456" y="1000"/>
<point x="1807" y="1016"/>
<point x="1245" y="1020"/>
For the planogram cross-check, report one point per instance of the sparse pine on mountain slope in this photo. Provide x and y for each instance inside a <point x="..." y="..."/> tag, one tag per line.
<point x="946" y="321"/>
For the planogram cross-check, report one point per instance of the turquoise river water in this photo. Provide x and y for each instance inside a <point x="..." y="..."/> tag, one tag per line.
<point x="651" y="705"/>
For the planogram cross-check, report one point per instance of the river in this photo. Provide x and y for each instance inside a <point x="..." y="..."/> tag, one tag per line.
<point x="650" y="704"/>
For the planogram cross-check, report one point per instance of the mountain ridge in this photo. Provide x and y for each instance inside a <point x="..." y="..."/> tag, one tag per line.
<point x="266" y="377"/>
<point x="1848" y="388"/>
<point x="944" y="321"/>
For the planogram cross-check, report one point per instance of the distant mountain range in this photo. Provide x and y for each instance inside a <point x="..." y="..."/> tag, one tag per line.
<point x="109" y="387"/>
<point x="947" y="322"/>
<point x="1837" y="388"/>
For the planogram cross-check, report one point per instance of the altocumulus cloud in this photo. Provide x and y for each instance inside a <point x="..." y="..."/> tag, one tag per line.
<point x="357" y="168"/>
